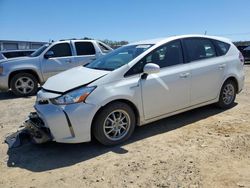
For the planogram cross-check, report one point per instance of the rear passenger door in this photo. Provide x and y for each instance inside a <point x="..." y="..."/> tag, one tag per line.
<point x="207" y="69"/>
<point x="85" y="53"/>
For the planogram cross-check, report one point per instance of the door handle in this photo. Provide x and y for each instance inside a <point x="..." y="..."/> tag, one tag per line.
<point x="222" y="66"/>
<point x="184" y="75"/>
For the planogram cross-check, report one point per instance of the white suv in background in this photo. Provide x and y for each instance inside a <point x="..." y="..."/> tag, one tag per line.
<point x="24" y="74"/>
<point x="137" y="84"/>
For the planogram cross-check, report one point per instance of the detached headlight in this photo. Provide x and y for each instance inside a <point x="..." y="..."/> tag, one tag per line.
<point x="76" y="96"/>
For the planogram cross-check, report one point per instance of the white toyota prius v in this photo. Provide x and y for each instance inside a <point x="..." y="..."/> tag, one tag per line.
<point x="134" y="85"/>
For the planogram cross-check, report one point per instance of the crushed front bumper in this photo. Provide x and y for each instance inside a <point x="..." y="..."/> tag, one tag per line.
<point x="69" y="123"/>
<point x="33" y="130"/>
<point x="36" y="129"/>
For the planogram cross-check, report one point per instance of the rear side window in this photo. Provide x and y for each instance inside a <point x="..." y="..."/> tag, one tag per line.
<point x="84" y="48"/>
<point x="199" y="48"/>
<point x="222" y="47"/>
<point x="61" y="50"/>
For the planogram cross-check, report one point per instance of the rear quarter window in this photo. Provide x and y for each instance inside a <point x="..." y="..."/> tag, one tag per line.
<point x="221" y="47"/>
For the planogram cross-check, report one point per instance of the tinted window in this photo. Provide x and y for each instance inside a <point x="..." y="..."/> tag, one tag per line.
<point x="27" y="53"/>
<point x="84" y="48"/>
<point x="61" y="50"/>
<point x="199" y="48"/>
<point x="222" y="47"/>
<point x="11" y="54"/>
<point x="16" y="54"/>
<point x="167" y="55"/>
<point x="103" y="48"/>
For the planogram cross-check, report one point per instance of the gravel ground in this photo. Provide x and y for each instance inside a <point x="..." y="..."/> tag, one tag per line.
<point x="206" y="147"/>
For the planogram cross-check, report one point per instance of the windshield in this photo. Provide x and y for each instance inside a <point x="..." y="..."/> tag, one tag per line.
<point x="39" y="51"/>
<point x="119" y="57"/>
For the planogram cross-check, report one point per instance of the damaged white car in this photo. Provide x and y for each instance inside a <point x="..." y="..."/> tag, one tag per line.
<point x="134" y="85"/>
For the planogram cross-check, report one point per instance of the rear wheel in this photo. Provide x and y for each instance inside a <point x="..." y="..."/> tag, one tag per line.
<point x="24" y="84"/>
<point x="114" y="124"/>
<point x="227" y="94"/>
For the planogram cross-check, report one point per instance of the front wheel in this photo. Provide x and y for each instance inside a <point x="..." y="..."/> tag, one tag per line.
<point x="227" y="95"/>
<point x="24" y="84"/>
<point x="114" y="124"/>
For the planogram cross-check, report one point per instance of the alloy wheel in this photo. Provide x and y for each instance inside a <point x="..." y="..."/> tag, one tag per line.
<point x="117" y="125"/>
<point x="228" y="93"/>
<point x="24" y="85"/>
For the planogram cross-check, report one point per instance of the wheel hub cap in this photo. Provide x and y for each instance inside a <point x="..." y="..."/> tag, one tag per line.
<point x="116" y="125"/>
<point x="228" y="93"/>
<point x="24" y="85"/>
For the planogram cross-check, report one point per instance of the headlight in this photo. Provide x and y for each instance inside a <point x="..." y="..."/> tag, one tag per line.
<point x="1" y="70"/>
<point x="76" y="96"/>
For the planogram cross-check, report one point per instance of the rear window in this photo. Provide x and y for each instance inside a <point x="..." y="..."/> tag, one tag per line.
<point x="222" y="47"/>
<point x="84" y="48"/>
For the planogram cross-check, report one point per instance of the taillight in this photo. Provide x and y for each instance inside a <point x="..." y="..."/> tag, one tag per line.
<point x="241" y="57"/>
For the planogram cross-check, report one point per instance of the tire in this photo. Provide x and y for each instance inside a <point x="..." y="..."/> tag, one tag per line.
<point x="112" y="118"/>
<point x="24" y="84"/>
<point x="227" y="95"/>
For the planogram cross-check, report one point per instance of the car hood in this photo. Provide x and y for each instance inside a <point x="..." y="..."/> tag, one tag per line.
<point x="72" y="78"/>
<point x="16" y="59"/>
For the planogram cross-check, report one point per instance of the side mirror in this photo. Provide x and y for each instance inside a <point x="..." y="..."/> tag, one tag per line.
<point x="49" y="54"/>
<point x="151" y="68"/>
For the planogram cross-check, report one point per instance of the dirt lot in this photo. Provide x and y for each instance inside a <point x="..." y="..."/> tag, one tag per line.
<point x="205" y="147"/>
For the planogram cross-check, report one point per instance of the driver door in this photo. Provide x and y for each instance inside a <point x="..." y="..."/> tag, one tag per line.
<point x="168" y="90"/>
<point x="61" y="60"/>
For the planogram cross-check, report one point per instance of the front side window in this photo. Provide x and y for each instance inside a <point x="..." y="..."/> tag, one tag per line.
<point x="61" y="50"/>
<point x="118" y="57"/>
<point x="84" y="48"/>
<point x="199" y="48"/>
<point x="167" y="55"/>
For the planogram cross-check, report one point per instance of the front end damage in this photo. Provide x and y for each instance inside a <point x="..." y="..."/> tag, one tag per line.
<point x="37" y="130"/>
<point x="33" y="129"/>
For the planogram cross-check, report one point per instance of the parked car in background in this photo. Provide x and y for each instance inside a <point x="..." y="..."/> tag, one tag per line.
<point x="134" y="85"/>
<point x="24" y="74"/>
<point x="241" y="48"/>
<point x="246" y="53"/>
<point x="7" y="54"/>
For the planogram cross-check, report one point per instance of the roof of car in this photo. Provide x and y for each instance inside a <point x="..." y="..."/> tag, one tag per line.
<point x="166" y="39"/>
